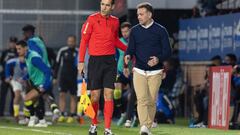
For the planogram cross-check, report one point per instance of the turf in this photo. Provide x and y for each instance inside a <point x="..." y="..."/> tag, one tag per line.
<point x="8" y="127"/>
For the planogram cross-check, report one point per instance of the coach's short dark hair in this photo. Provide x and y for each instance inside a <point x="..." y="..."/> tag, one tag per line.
<point x="22" y="43"/>
<point x="13" y="39"/>
<point x="126" y="24"/>
<point x="146" y="5"/>
<point x="29" y="27"/>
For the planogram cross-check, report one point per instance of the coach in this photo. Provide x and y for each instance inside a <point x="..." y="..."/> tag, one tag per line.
<point x="149" y="44"/>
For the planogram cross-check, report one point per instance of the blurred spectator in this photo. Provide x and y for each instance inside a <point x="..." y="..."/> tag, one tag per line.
<point x="66" y="60"/>
<point x="16" y="75"/>
<point x="128" y="115"/>
<point x="6" y="55"/>
<point x="230" y="59"/>
<point x="168" y="82"/>
<point x="208" y="7"/>
<point x="35" y="43"/>
<point x="201" y="95"/>
<point x="216" y="61"/>
<point x="51" y="54"/>
<point x="122" y="82"/>
<point x="195" y="12"/>
<point x="178" y="88"/>
<point x="165" y="108"/>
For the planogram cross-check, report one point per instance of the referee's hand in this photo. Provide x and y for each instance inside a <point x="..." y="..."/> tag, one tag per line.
<point x="127" y="59"/>
<point x="81" y="68"/>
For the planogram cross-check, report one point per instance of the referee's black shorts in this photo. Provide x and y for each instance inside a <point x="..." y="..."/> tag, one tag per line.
<point x="102" y="72"/>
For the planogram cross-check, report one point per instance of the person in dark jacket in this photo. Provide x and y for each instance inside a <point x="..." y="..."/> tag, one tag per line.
<point x="6" y="55"/>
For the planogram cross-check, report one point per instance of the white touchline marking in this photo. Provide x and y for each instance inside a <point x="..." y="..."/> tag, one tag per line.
<point x="35" y="130"/>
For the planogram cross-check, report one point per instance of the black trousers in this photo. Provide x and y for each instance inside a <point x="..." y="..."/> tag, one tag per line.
<point x="5" y="88"/>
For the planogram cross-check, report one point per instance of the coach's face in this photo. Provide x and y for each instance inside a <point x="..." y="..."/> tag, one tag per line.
<point x="144" y="16"/>
<point x="106" y="7"/>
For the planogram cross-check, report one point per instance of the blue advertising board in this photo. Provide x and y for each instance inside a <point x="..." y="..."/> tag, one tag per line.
<point x="202" y="38"/>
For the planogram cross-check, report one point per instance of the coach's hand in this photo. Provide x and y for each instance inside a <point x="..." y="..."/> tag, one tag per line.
<point x="153" y="61"/>
<point x="81" y="68"/>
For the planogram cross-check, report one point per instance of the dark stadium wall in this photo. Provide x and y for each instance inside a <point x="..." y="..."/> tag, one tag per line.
<point x="89" y="4"/>
<point x="120" y="6"/>
<point x="167" y="18"/>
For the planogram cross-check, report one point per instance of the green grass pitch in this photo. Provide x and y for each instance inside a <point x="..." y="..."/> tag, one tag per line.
<point x="8" y="127"/>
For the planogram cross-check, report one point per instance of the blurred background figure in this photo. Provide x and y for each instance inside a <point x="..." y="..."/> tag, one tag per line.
<point x="66" y="64"/>
<point x="16" y="76"/>
<point x="7" y="54"/>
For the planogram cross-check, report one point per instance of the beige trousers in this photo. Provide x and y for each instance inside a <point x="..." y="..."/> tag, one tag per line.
<point x="146" y="88"/>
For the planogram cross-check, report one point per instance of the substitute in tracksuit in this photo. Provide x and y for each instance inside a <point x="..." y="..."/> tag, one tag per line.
<point x="66" y="62"/>
<point x="5" y="87"/>
<point x="39" y="81"/>
<point x="16" y="74"/>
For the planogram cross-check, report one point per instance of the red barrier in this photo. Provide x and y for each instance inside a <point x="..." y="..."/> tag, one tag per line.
<point x="219" y="97"/>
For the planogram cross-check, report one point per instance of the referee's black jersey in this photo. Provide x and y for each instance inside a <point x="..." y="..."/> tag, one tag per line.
<point x="66" y="61"/>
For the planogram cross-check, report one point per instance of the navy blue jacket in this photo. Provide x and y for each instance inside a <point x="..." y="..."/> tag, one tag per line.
<point x="147" y="42"/>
